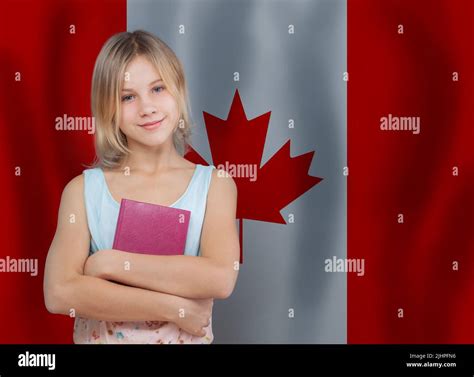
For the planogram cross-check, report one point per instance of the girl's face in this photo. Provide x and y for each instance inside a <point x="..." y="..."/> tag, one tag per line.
<point x="149" y="112"/>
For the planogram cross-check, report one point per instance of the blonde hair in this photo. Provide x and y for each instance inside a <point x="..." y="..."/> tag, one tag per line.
<point x="107" y="82"/>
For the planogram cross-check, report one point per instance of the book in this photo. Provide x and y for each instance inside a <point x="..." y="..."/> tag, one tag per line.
<point x="147" y="228"/>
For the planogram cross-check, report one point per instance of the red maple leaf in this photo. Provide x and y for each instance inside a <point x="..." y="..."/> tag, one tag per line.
<point x="236" y="146"/>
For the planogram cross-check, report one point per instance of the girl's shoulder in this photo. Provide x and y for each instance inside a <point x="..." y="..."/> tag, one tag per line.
<point x="73" y="192"/>
<point x="75" y="184"/>
<point x="78" y="184"/>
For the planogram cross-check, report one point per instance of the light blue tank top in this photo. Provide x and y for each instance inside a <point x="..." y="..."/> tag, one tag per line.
<point x="102" y="209"/>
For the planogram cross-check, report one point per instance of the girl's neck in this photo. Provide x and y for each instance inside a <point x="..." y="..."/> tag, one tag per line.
<point x="151" y="161"/>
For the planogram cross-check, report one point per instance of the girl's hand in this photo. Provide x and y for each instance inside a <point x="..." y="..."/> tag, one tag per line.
<point x="194" y="315"/>
<point x="96" y="265"/>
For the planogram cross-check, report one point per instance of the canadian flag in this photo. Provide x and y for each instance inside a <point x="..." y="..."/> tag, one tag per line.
<point x="346" y="124"/>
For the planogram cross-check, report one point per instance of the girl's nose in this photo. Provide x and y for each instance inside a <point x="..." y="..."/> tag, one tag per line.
<point x="147" y="108"/>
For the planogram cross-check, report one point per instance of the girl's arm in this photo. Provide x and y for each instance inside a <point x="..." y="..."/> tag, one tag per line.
<point x="67" y="291"/>
<point x="213" y="275"/>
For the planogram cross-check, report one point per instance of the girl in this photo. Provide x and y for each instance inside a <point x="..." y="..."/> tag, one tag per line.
<point x="139" y="101"/>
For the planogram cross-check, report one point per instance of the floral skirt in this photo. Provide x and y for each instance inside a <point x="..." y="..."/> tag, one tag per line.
<point x="90" y="331"/>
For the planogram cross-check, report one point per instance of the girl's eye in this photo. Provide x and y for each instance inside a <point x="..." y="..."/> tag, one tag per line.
<point x="157" y="89"/>
<point x="126" y="98"/>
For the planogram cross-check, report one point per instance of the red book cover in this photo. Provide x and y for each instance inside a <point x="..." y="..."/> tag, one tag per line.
<point x="147" y="228"/>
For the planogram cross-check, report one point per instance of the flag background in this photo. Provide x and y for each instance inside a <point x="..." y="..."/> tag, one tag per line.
<point x="295" y="76"/>
<point x="410" y="265"/>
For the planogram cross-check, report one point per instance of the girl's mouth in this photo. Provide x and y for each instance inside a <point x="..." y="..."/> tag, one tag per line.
<point x="151" y="125"/>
